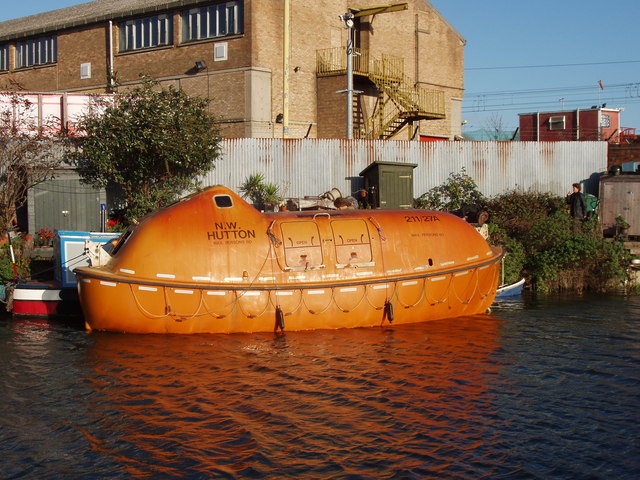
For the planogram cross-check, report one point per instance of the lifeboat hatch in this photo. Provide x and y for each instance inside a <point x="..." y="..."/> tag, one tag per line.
<point x="223" y="201"/>
<point x="352" y="243"/>
<point x="301" y="241"/>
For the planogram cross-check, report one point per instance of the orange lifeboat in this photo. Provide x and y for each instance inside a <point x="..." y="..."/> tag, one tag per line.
<point x="213" y="264"/>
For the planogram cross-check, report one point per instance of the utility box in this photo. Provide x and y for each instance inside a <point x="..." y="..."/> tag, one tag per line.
<point x="389" y="184"/>
<point x="620" y="196"/>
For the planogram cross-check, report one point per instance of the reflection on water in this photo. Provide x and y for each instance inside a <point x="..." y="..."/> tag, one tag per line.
<point x="536" y="389"/>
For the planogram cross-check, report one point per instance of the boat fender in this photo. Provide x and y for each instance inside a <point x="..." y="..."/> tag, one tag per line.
<point x="388" y="311"/>
<point x="279" y="319"/>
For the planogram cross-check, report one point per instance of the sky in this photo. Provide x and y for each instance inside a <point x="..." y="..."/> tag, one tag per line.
<point x="547" y="55"/>
<point x="523" y="57"/>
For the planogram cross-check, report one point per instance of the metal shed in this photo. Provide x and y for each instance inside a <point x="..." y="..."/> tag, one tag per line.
<point x="389" y="184"/>
<point x="620" y="196"/>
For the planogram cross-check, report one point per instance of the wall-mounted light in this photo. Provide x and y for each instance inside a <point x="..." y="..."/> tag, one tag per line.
<point x="280" y="118"/>
<point x="347" y="18"/>
<point x="200" y="65"/>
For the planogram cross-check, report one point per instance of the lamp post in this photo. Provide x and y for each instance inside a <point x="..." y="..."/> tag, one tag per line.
<point x="347" y="18"/>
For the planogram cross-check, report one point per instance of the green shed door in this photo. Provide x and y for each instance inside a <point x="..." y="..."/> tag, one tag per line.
<point x="396" y="189"/>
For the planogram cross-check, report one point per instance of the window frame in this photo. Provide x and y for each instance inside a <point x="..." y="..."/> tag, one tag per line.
<point x="144" y="33"/>
<point x="557" y="122"/>
<point x="36" y="51"/>
<point x="4" y="57"/>
<point x="213" y="21"/>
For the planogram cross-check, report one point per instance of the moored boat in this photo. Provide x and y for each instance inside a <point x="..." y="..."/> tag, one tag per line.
<point x="212" y="264"/>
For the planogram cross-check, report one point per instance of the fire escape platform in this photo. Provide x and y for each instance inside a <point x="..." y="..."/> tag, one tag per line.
<point x="399" y="101"/>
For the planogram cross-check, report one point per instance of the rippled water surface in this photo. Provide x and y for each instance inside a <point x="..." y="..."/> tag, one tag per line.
<point x="544" y="389"/>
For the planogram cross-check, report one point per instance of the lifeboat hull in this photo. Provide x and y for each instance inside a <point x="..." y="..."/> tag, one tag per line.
<point x="212" y="264"/>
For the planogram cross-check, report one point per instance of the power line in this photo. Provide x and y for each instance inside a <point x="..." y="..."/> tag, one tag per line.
<point x="632" y="87"/>
<point x="552" y="65"/>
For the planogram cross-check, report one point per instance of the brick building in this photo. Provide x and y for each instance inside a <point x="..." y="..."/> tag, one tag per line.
<point x="408" y="61"/>
<point x="593" y="124"/>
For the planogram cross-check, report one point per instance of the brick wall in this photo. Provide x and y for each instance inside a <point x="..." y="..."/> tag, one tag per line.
<point x="619" y="154"/>
<point x="432" y="51"/>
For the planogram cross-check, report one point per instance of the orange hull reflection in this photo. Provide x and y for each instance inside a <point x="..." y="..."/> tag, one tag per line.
<point x="213" y="264"/>
<point x="181" y="406"/>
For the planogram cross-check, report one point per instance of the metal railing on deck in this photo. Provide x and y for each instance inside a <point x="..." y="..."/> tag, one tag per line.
<point x="333" y="61"/>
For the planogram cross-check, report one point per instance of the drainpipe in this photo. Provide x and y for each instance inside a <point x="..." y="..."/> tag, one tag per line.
<point x="110" y="68"/>
<point x="285" y="70"/>
<point x="577" y="124"/>
<point x="537" y="126"/>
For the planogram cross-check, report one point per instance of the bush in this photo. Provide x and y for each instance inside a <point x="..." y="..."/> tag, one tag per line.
<point x="459" y="190"/>
<point x="552" y="251"/>
<point x="517" y="212"/>
<point x="514" y="260"/>
<point x="6" y="267"/>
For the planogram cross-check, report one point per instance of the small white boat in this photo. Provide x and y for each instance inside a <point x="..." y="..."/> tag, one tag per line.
<point x="511" y="290"/>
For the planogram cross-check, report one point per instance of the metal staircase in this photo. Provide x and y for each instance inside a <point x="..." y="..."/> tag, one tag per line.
<point x="398" y="103"/>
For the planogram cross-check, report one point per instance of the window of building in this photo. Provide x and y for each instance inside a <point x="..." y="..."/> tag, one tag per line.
<point x="146" y="32"/>
<point x="4" y="57"/>
<point x="218" y="20"/>
<point x="605" y="121"/>
<point x="556" y="122"/>
<point x="36" y="51"/>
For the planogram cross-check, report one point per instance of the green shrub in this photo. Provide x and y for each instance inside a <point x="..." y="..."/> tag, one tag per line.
<point x="458" y="190"/>
<point x="6" y="267"/>
<point x="517" y="212"/>
<point x="514" y="260"/>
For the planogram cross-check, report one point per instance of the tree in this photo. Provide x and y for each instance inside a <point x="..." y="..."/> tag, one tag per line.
<point x="494" y="128"/>
<point x="25" y="158"/>
<point x="153" y="142"/>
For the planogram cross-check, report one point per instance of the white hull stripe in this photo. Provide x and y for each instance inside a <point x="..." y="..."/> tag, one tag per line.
<point x="108" y="284"/>
<point x="147" y="289"/>
<point x="36" y="295"/>
<point x="165" y="275"/>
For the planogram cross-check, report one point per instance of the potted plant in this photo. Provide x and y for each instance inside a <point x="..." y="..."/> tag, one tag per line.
<point x="263" y="195"/>
<point x="45" y="237"/>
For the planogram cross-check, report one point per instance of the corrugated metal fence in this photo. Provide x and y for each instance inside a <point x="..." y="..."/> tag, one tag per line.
<point x="311" y="166"/>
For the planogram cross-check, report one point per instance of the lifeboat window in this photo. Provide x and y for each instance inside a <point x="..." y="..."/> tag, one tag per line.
<point x="121" y="241"/>
<point x="223" y="201"/>
<point x="352" y="242"/>
<point x="302" y="248"/>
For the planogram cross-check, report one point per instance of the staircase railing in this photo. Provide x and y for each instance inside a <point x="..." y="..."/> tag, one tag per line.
<point x="405" y="102"/>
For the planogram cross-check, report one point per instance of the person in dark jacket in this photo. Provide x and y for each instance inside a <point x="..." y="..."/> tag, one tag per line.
<point x="576" y="202"/>
<point x="577" y="206"/>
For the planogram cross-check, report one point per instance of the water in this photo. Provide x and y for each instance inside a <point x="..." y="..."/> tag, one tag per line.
<point x="544" y="389"/>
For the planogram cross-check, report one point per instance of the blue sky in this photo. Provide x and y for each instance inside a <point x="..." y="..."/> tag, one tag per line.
<point x="565" y="33"/>
<point x="557" y="51"/>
